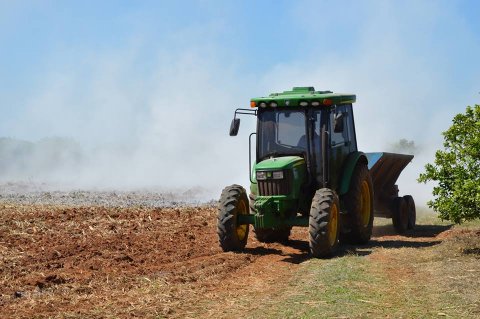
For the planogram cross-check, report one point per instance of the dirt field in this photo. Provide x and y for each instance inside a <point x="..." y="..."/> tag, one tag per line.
<point x="109" y="262"/>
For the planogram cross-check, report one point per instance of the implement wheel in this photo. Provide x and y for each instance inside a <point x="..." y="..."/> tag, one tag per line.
<point x="233" y="202"/>
<point x="359" y="205"/>
<point x="268" y="235"/>
<point x="400" y="214"/>
<point x="412" y="212"/>
<point x="324" y="223"/>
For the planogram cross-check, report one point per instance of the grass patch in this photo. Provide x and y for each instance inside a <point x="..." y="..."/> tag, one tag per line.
<point x="440" y="280"/>
<point x="334" y="288"/>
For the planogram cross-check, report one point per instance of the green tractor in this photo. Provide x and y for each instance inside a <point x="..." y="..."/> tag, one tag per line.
<point x="308" y="172"/>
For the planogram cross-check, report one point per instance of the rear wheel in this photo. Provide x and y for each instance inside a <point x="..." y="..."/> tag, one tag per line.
<point x="359" y="205"/>
<point x="400" y="214"/>
<point x="324" y="223"/>
<point x="412" y="212"/>
<point x="265" y="235"/>
<point x="233" y="202"/>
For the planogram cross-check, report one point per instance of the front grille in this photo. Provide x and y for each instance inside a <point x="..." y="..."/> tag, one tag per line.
<point x="272" y="187"/>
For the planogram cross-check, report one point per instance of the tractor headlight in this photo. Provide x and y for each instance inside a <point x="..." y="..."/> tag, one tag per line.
<point x="264" y="175"/>
<point x="261" y="176"/>
<point x="278" y="175"/>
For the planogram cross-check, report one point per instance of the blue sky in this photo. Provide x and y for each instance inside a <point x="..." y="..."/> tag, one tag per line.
<point x="40" y="37"/>
<point x="132" y="73"/>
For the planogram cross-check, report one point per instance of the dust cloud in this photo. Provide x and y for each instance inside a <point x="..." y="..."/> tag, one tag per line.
<point x="109" y="121"/>
<point x="170" y="132"/>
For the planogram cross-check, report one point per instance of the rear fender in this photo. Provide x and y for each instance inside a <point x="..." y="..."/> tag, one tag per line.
<point x="348" y="169"/>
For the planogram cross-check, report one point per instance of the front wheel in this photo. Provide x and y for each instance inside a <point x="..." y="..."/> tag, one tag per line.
<point x="324" y="223"/>
<point x="233" y="202"/>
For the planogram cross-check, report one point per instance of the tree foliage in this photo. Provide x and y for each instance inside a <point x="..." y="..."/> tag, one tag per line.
<point x="456" y="170"/>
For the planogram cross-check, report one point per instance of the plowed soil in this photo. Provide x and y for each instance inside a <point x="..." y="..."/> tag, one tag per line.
<point x="110" y="262"/>
<point x="107" y="262"/>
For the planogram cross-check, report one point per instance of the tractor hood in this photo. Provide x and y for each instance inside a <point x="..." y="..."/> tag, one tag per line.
<point x="279" y="163"/>
<point x="289" y="185"/>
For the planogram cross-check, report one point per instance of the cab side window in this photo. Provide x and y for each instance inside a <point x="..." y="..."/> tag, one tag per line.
<point x="339" y="138"/>
<point x="351" y="128"/>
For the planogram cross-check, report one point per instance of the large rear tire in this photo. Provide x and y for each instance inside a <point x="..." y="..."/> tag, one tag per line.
<point x="233" y="202"/>
<point x="268" y="235"/>
<point x="412" y="212"/>
<point x="324" y="223"/>
<point x="359" y="205"/>
<point x="400" y="215"/>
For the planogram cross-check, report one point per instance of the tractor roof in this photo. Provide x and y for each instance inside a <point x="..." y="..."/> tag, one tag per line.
<point x="303" y="96"/>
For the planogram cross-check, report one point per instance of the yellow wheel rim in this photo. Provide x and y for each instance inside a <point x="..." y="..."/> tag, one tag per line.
<point x="241" y="229"/>
<point x="365" y="205"/>
<point x="333" y="225"/>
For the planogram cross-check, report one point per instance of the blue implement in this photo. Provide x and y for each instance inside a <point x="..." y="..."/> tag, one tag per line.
<point x="385" y="168"/>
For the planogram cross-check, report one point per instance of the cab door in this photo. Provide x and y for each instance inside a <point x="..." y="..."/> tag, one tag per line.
<point x="340" y="141"/>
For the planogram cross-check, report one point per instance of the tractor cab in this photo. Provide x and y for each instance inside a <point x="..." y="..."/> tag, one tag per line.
<point x="317" y="126"/>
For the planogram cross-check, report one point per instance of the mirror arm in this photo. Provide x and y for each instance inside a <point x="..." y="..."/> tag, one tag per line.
<point x="245" y="112"/>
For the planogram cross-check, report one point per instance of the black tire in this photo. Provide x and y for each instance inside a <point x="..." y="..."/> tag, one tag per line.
<point x="359" y="205"/>
<point x="400" y="215"/>
<point x="412" y="212"/>
<point x="233" y="202"/>
<point x="324" y="223"/>
<point x="265" y="235"/>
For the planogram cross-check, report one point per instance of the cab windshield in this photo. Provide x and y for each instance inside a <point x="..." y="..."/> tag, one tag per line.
<point x="281" y="132"/>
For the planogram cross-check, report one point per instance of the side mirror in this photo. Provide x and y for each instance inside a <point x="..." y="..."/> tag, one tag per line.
<point x="234" y="127"/>
<point x="338" y="125"/>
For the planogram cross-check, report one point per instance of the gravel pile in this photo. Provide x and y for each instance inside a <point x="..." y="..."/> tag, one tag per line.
<point x="32" y="193"/>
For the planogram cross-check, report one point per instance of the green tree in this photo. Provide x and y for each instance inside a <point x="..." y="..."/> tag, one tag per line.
<point x="456" y="170"/>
